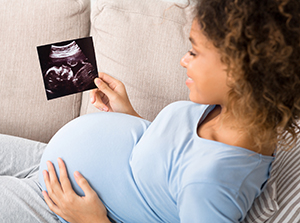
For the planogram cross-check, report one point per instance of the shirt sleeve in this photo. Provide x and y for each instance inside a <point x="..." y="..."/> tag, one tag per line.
<point x="207" y="203"/>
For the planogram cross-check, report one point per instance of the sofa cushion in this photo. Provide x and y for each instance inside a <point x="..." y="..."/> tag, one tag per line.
<point x="280" y="201"/>
<point x="24" y="109"/>
<point x="141" y="44"/>
<point x="265" y="205"/>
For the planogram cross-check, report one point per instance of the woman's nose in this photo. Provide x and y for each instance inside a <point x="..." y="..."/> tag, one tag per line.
<point x="185" y="60"/>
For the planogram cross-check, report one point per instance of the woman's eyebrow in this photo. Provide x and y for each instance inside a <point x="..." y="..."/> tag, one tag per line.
<point x="192" y="41"/>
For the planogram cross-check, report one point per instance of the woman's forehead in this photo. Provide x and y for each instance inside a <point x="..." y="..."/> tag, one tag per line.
<point x="197" y="37"/>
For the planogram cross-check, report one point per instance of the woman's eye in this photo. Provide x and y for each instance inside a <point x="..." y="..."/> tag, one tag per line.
<point x="191" y="53"/>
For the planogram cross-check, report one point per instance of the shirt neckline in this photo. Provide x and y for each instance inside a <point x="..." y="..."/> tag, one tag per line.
<point x="202" y="117"/>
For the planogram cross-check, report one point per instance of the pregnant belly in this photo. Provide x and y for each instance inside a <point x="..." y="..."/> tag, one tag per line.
<point x="99" y="146"/>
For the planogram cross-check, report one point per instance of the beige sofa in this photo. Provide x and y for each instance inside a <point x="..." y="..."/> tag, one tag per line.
<point x="139" y="42"/>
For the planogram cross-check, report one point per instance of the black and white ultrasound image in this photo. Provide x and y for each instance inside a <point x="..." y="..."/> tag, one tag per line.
<point x="68" y="67"/>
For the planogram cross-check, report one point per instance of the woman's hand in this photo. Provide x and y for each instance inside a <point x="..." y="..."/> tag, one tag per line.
<point x="63" y="201"/>
<point x="111" y="96"/>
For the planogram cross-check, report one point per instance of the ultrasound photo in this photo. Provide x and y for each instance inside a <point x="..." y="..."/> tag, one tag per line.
<point x="68" y="67"/>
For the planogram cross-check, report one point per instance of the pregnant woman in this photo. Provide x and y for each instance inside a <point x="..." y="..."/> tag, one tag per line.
<point x="203" y="160"/>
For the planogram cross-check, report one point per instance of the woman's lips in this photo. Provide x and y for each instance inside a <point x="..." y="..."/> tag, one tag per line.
<point x="189" y="81"/>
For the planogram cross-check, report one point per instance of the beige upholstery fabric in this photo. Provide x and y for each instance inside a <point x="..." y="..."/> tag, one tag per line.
<point x="141" y="43"/>
<point x="24" y="109"/>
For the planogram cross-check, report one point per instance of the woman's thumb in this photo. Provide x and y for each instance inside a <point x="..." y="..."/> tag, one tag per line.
<point x="102" y="86"/>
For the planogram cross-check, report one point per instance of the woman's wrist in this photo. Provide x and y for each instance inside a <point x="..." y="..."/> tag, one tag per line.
<point x="129" y="110"/>
<point x="134" y="113"/>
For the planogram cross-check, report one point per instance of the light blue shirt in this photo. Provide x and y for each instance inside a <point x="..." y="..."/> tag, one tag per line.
<point x="160" y="171"/>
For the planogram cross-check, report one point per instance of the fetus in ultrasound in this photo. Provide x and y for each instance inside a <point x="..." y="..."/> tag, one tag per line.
<point x="68" y="71"/>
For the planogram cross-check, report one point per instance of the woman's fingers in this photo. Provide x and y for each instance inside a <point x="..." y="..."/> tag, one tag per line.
<point x="93" y="95"/>
<point x="101" y="97"/>
<point x="111" y="95"/>
<point x="83" y="184"/>
<point x="52" y="184"/>
<point x="64" y="179"/>
<point x="99" y="100"/>
<point x="50" y="203"/>
<point x="63" y="201"/>
<point x="104" y="87"/>
<point x="111" y="82"/>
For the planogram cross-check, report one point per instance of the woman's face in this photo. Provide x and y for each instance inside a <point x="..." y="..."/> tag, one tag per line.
<point x="207" y="78"/>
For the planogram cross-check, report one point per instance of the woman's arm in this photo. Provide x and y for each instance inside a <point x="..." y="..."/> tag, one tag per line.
<point x="63" y="201"/>
<point x="208" y="202"/>
<point x="111" y="96"/>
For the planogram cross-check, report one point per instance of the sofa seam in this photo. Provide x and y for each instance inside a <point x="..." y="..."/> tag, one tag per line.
<point x="145" y="14"/>
<point x="80" y="3"/>
<point x="78" y="97"/>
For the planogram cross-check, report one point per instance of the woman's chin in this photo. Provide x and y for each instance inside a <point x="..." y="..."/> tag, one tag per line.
<point x="194" y="99"/>
<point x="197" y="99"/>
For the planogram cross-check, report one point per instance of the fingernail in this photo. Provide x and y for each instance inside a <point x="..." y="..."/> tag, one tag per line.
<point x="97" y="81"/>
<point x="77" y="174"/>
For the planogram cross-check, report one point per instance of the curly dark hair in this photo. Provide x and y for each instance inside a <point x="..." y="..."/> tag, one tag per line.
<point x="259" y="41"/>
